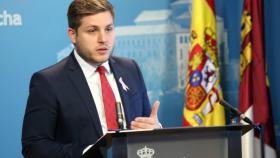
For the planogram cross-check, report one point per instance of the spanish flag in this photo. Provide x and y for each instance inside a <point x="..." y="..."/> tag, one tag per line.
<point x="254" y="94"/>
<point x="203" y="91"/>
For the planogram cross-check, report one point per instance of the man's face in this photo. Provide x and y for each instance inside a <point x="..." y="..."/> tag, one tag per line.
<point x="95" y="38"/>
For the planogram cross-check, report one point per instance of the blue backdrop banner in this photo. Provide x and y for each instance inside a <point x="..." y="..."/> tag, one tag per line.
<point x="33" y="35"/>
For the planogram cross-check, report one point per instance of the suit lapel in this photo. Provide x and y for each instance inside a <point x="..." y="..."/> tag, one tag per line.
<point x="79" y="81"/>
<point x="118" y="74"/>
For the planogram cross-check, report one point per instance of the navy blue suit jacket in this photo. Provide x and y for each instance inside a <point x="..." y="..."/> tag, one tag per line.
<point x="61" y="118"/>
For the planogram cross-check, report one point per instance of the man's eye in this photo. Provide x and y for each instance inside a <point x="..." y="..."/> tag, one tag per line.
<point x="92" y="30"/>
<point x="109" y="29"/>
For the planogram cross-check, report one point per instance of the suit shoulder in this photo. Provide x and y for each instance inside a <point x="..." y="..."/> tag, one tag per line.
<point x="54" y="69"/>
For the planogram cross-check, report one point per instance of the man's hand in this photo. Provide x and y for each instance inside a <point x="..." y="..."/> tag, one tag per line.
<point x="147" y="122"/>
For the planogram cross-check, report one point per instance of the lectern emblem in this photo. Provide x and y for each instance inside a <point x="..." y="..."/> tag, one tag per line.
<point x="145" y="152"/>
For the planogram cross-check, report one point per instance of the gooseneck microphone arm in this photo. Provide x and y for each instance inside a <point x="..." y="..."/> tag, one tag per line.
<point x="236" y="112"/>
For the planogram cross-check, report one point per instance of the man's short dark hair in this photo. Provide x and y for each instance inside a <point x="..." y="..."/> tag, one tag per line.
<point x="80" y="8"/>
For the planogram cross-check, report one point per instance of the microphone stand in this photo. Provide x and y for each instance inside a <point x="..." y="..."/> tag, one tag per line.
<point x="258" y="127"/>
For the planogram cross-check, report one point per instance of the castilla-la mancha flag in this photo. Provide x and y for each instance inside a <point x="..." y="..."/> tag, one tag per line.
<point x="254" y="95"/>
<point x="203" y="91"/>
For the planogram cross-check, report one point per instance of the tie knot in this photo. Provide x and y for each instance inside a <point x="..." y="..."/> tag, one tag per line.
<point x="101" y="70"/>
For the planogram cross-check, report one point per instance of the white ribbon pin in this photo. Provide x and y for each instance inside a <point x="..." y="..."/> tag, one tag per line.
<point x="124" y="86"/>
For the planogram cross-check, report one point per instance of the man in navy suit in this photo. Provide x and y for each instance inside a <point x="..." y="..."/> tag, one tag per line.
<point x="65" y="109"/>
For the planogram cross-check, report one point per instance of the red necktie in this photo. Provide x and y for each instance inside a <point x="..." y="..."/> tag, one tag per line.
<point x="109" y="100"/>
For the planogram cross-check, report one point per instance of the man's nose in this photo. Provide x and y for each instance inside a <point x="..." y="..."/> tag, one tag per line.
<point x="102" y="37"/>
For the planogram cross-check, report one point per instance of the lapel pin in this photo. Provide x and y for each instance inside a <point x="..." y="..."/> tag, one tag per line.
<point x="124" y="86"/>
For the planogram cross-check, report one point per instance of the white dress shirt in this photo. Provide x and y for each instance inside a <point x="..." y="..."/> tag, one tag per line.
<point x="94" y="84"/>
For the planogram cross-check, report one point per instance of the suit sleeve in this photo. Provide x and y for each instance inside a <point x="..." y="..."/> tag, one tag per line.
<point x="145" y="98"/>
<point x="39" y="124"/>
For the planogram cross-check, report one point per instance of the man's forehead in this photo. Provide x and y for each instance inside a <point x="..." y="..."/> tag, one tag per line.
<point x="102" y="19"/>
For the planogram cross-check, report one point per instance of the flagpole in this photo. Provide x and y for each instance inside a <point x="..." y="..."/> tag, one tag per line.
<point x="261" y="130"/>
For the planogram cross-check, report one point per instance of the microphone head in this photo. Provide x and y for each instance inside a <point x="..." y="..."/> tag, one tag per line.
<point x="120" y="117"/>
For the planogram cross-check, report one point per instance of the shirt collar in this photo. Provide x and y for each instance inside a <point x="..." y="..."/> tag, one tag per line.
<point x="89" y="68"/>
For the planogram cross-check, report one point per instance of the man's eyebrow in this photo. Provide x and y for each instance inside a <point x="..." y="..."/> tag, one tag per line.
<point x="95" y="26"/>
<point x="110" y="25"/>
<point x="92" y="26"/>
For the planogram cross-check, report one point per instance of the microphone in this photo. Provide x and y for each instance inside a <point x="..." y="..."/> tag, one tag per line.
<point x="120" y="116"/>
<point x="236" y="112"/>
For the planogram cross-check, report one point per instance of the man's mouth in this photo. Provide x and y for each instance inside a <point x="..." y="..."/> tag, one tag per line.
<point x="102" y="50"/>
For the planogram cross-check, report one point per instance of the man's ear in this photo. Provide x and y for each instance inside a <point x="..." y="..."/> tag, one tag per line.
<point x="72" y="35"/>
